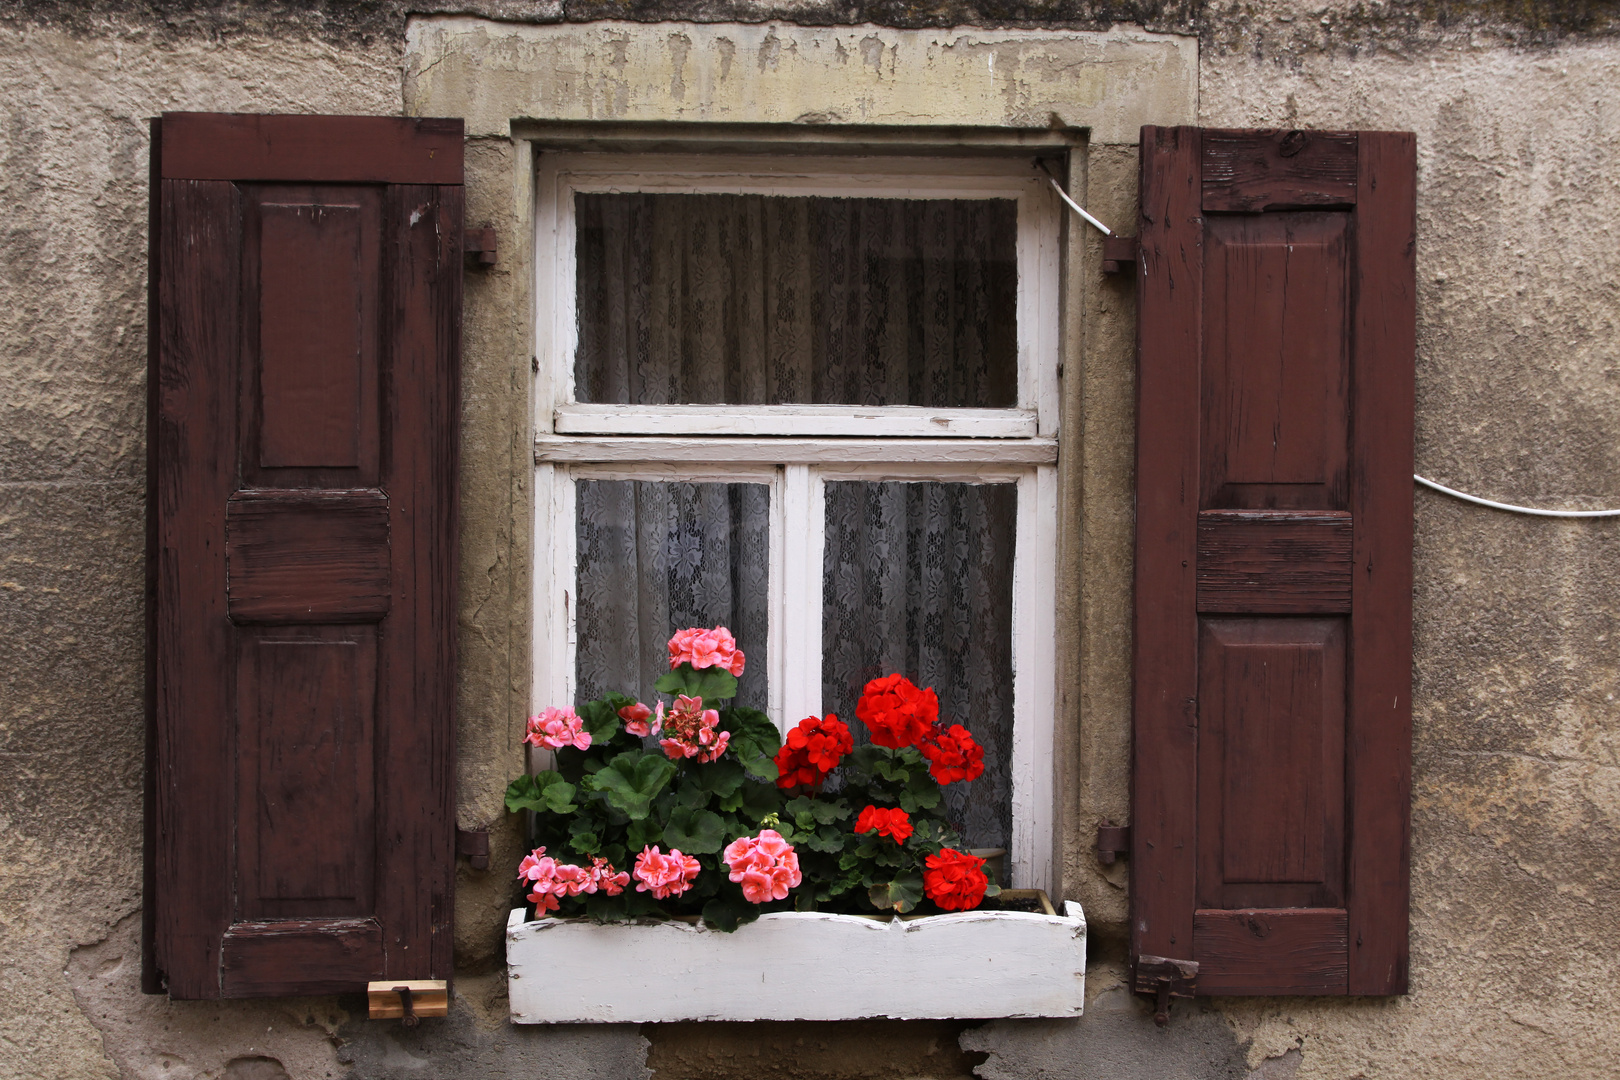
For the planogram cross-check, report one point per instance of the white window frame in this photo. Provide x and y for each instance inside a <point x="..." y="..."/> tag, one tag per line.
<point x="797" y="449"/>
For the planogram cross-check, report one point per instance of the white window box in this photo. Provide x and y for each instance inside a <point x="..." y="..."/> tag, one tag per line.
<point x="798" y="966"/>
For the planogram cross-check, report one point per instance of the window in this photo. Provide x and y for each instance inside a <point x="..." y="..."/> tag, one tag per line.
<point x="815" y="400"/>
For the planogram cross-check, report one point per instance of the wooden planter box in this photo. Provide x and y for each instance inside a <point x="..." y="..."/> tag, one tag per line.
<point x="793" y="965"/>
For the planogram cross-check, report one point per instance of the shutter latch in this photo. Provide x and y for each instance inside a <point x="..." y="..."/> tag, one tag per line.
<point x="1113" y="841"/>
<point x="1119" y="252"/>
<point x="479" y="246"/>
<point x="474" y="843"/>
<point x="409" y="1001"/>
<point x="1164" y="978"/>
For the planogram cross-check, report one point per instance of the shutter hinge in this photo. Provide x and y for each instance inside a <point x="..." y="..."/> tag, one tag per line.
<point x="1118" y="253"/>
<point x="479" y="246"/>
<point x="1165" y="978"/>
<point x="1113" y="841"/>
<point x="474" y="843"/>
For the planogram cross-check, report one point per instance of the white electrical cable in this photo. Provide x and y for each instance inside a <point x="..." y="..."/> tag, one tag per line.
<point x="1076" y="207"/>
<point x="1465" y="497"/>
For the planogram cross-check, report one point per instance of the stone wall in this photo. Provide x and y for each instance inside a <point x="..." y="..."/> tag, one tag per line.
<point x="1516" y="816"/>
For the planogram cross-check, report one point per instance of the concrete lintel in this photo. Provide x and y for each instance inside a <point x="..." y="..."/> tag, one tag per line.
<point x="492" y="74"/>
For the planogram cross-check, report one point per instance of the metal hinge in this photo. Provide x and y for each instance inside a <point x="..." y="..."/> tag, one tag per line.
<point x="1165" y="978"/>
<point x="1119" y="252"/>
<point x="1113" y="841"/>
<point x="474" y="843"/>
<point x="479" y="246"/>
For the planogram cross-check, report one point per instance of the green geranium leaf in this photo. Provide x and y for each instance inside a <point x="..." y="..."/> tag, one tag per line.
<point x="582" y="837"/>
<point x="754" y="740"/>
<point x="826" y="839"/>
<point x="601" y="719"/>
<point x="828" y="812"/>
<point x="695" y="832"/>
<point x="720" y="778"/>
<point x="545" y="792"/>
<point x="760" y="801"/>
<point x="900" y="895"/>
<point x="632" y="780"/>
<point x="711" y="684"/>
<point x="642" y="832"/>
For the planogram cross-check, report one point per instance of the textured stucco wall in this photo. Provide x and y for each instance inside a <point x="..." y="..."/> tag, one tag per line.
<point x="1516" y="816"/>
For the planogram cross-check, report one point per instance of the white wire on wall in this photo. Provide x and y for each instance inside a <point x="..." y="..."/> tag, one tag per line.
<point x="1465" y="497"/>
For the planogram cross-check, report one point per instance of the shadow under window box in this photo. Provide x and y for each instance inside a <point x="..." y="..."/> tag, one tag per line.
<point x="791" y="965"/>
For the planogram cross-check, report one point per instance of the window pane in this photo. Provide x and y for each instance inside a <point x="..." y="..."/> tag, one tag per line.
<point x="918" y="579"/>
<point x="655" y="557"/>
<point x="765" y="300"/>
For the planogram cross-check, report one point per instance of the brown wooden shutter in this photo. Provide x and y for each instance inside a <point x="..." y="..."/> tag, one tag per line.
<point x="1273" y="560"/>
<point x="304" y="382"/>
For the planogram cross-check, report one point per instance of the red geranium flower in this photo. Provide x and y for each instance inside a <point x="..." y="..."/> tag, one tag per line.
<point x="896" y="712"/>
<point x="812" y="750"/>
<point x="953" y="755"/>
<point x="954" y="880"/>
<point x="895" y="823"/>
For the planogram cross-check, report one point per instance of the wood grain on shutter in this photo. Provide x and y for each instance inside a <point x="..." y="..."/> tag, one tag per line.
<point x="1252" y="171"/>
<point x="1273" y="559"/>
<point x="304" y="562"/>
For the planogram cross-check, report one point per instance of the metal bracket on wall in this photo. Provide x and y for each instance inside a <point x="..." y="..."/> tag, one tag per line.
<point x="474" y="844"/>
<point x="1113" y="841"/>
<point x="1164" y="978"/>
<point x="1119" y="252"/>
<point x="479" y="246"/>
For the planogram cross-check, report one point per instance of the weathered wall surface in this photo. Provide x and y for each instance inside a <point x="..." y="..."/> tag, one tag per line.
<point x="1516" y="838"/>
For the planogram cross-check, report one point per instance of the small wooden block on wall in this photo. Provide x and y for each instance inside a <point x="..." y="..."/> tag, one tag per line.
<point x="429" y="997"/>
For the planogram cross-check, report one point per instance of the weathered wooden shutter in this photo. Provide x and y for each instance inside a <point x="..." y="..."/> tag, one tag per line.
<point x="1273" y="561"/>
<point x="304" y="401"/>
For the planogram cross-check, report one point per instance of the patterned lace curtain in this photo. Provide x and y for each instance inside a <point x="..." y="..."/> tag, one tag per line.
<point x="754" y="299"/>
<point x="917" y="578"/>
<point x="654" y="557"/>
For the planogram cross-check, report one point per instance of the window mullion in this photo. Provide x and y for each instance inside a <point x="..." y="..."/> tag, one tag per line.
<point x="800" y="596"/>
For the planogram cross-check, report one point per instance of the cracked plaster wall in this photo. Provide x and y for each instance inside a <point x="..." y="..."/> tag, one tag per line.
<point x="1517" y="744"/>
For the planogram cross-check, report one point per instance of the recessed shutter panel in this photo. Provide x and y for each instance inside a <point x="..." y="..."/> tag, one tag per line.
<point x="304" y="366"/>
<point x="1273" y="560"/>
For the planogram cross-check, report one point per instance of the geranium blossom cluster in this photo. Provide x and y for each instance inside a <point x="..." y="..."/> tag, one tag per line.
<point x="894" y="823"/>
<point x="689" y="730"/>
<point x="556" y="728"/>
<point x="551" y="880"/>
<point x="665" y="875"/>
<point x="896" y="712"/>
<point x="900" y="715"/>
<point x="705" y="648"/>
<point x="765" y="865"/>
<point x="953" y="755"/>
<point x="954" y="880"/>
<point x="812" y="750"/>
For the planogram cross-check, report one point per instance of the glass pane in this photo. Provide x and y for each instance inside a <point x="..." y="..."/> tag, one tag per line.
<point x="764" y="300"/>
<point x="918" y="579"/>
<point x="654" y="557"/>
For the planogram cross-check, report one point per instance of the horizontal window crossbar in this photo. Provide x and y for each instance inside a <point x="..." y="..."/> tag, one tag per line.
<point x="562" y="449"/>
<point x="794" y="420"/>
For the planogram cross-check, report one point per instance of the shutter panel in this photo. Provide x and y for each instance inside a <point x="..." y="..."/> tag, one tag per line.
<point x="304" y="384"/>
<point x="1273" y="636"/>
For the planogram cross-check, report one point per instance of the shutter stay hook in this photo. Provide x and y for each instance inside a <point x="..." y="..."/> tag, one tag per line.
<point x="1064" y="195"/>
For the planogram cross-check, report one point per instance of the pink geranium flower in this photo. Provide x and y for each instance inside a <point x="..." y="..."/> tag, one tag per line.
<point x="706" y="648"/>
<point x="689" y="731"/>
<point x="665" y="875"/>
<point x="635" y="720"/>
<point x="605" y="878"/>
<point x="556" y="728"/>
<point x="765" y="865"/>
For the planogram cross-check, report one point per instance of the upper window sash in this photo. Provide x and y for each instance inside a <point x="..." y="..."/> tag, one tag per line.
<point x="560" y="176"/>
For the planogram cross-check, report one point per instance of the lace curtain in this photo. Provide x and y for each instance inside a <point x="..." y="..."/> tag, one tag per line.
<point x="754" y="299"/>
<point x="654" y="557"/>
<point x="917" y="578"/>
